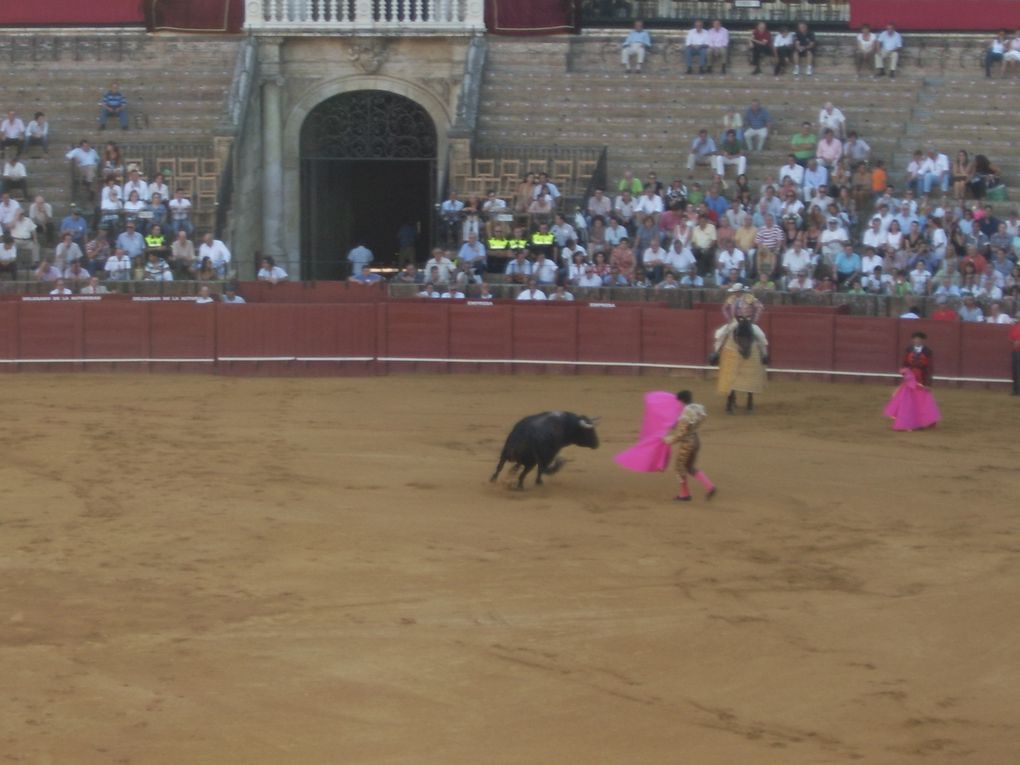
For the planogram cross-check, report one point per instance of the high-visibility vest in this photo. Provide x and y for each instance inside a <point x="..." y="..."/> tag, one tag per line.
<point x="516" y="244"/>
<point x="542" y="240"/>
<point x="154" y="241"/>
<point x="498" y="244"/>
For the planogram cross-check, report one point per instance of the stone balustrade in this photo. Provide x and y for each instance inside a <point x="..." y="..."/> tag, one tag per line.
<point x="379" y="17"/>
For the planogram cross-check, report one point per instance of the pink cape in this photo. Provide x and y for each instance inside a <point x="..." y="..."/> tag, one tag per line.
<point x="650" y="454"/>
<point x="912" y="406"/>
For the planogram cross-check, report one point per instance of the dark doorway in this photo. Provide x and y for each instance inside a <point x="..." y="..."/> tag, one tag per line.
<point x="368" y="163"/>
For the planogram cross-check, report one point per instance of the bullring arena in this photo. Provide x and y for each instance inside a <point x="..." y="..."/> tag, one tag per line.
<point x="247" y="516"/>
<point x="211" y="569"/>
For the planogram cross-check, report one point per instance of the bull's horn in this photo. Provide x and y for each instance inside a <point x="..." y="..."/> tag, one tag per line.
<point x="589" y="423"/>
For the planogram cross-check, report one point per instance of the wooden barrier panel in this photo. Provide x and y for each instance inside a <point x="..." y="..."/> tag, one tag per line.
<point x="480" y="331"/>
<point x="865" y="345"/>
<point x="801" y="341"/>
<point x="182" y="331"/>
<point x="545" y="332"/>
<point x="984" y="351"/>
<point x="50" y="331"/>
<point x="9" y="329"/>
<point x="608" y="334"/>
<point x="673" y="337"/>
<point x="115" y="330"/>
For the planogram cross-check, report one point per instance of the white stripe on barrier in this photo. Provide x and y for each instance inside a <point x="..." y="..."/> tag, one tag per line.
<point x="438" y="360"/>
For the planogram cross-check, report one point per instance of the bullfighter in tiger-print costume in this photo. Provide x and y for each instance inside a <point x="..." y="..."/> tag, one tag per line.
<point x="684" y="437"/>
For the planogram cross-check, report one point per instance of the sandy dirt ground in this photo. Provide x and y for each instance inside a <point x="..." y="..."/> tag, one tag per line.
<point x="218" y="570"/>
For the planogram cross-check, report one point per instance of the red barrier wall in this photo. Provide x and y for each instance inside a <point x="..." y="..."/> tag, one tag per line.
<point x="369" y="338"/>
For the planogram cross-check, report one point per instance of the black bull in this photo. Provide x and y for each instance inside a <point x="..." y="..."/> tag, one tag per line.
<point x="536" y="440"/>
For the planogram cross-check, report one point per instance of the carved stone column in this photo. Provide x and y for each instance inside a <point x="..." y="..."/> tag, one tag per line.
<point x="272" y="151"/>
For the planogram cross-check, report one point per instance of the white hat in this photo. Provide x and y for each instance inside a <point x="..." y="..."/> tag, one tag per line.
<point x="738" y="287"/>
<point x="938" y="213"/>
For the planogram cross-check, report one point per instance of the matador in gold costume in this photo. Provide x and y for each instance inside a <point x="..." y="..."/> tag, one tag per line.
<point x="684" y="437"/>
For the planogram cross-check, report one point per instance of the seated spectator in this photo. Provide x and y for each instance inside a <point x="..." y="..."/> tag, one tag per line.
<point x="134" y="208"/>
<point x="118" y="266"/>
<point x="805" y="48"/>
<point x="93" y="287"/>
<point x="46" y="272"/>
<point x="730" y="264"/>
<point x="23" y="231"/>
<point x="452" y="292"/>
<point x="9" y="209"/>
<point x="761" y="46"/>
<point x="531" y="292"/>
<point x="847" y="265"/>
<point x="996" y="53"/>
<point x="85" y="162"/>
<point x="472" y="255"/>
<point x="12" y="131"/>
<point x="887" y="53"/>
<point x="442" y="264"/>
<point x="668" y="282"/>
<point x="654" y="260"/>
<point x="920" y="279"/>
<point x="649" y="206"/>
<point x="41" y="214"/>
<point x="14" y="176"/>
<point x="756" y="126"/>
<point x="204" y="296"/>
<point x="113" y="104"/>
<point x="8" y="257"/>
<point x="519" y="267"/>
<point x="60" y="289"/>
<point x="825" y="284"/>
<point x="182" y="254"/>
<point x="135" y="183"/>
<point x="1011" y="58"/>
<point x="217" y="252"/>
<point x="730" y="153"/>
<point x="985" y="176"/>
<point x="970" y="310"/>
<point x="783" y="44"/>
<point x="635" y="46"/>
<point x="112" y="164"/>
<point x="37" y="133"/>
<point x="691" y="278"/>
<point x="804" y="145"/>
<point x="272" y="273"/>
<point x="702" y="151"/>
<point x="797" y="259"/>
<point x="180" y="213"/>
<point x="696" y="45"/>
<point x="763" y="283"/>
<point x="800" y="282"/>
<point x="623" y="260"/>
<point x="230" y="295"/>
<point x="589" y="279"/>
<point x="543" y="270"/>
<point x="856" y="148"/>
<point x="615" y="278"/>
<point x="718" y="46"/>
<point x="66" y="252"/>
<point x="111" y="207"/>
<point x="429" y="290"/>
<point x="131" y="241"/>
<point x="157" y="269"/>
<point x="560" y="294"/>
<point x="76" y="275"/>
<point x="914" y="312"/>
<point x="866" y="45"/>
<point x="830" y="150"/>
<point x="680" y="259"/>
<point x="996" y="315"/>
<point x="816" y="176"/>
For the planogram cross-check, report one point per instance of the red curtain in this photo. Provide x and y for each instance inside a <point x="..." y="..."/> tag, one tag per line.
<point x="195" y="15"/>
<point x="71" y="13"/>
<point x="938" y="15"/>
<point x="530" y="17"/>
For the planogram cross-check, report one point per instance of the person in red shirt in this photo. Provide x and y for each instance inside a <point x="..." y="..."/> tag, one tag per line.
<point x="1014" y="343"/>
<point x="944" y="311"/>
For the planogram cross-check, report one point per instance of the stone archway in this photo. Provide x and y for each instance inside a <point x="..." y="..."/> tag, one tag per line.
<point x="367" y="170"/>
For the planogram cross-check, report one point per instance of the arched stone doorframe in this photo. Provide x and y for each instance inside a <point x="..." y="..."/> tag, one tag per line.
<point x="440" y="113"/>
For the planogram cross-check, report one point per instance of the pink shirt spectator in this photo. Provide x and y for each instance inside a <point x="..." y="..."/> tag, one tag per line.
<point x="830" y="151"/>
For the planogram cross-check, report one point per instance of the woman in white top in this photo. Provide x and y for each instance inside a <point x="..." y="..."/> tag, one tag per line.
<point x="132" y="206"/>
<point x="894" y="237"/>
<point x="158" y="186"/>
<point x="118" y="266"/>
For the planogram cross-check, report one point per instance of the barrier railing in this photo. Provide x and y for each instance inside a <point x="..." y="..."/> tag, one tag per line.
<point x="475" y="336"/>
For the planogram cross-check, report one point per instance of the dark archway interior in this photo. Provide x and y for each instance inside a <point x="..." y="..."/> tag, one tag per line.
<point x="368" y="163"/>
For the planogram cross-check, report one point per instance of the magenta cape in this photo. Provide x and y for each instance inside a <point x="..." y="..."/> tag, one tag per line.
<point x="912" y="407"/>
<point x="650" y="454"/>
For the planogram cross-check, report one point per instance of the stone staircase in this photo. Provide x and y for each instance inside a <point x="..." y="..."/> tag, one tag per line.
<point x="572" y="91"/>
<point x="176" y="87"/>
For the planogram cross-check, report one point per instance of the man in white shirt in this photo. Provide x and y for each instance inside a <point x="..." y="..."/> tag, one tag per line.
<point x="832" y="118"/>
<point x="718" y="46"/>
<point x="472" y="255"/>
<point x="935" y="170"/>
<point x="543" y="270"/>
<point x="800" y="282"/>
<point x="532" y="292"/>
<point x="875" y="237"/>
<point x="85" y="160"/>
<point x="9" y="210"/>
<point x="654" y="259"/>
<point x="856" y="148"/>
<point x="793" y="171"/>
<point x="635" y="45"/>
<point x="12" y="129"/>
<point x="519" y="268"/>
<point x="589" y="278"/>
<point x="865" y="47"/>
<point x="180" y="214"/>
<point x="135" y="183"/>
<point x="871" y="260"/>
<point x="217" y="253"/>
<point x="15" y="176"/>
<point x="796" y="259"/>
<point x="727" y="259"/>
<point x="118" y="266"/>
<point x="93" y="287"/>
<point x="832" y="240"/>
<point x="696" y="45"/>
<point x="624" y="208"/>
<point x="600" y="205"/>
<point x="59" y="289"/>
<point x="230" y="296"/>
<point x="38" y="133"/>
<point x="815" y="176"/>
<point x="680" y="258"/>
<point x="649" y="205"/>
<point x="888" y="53"/>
